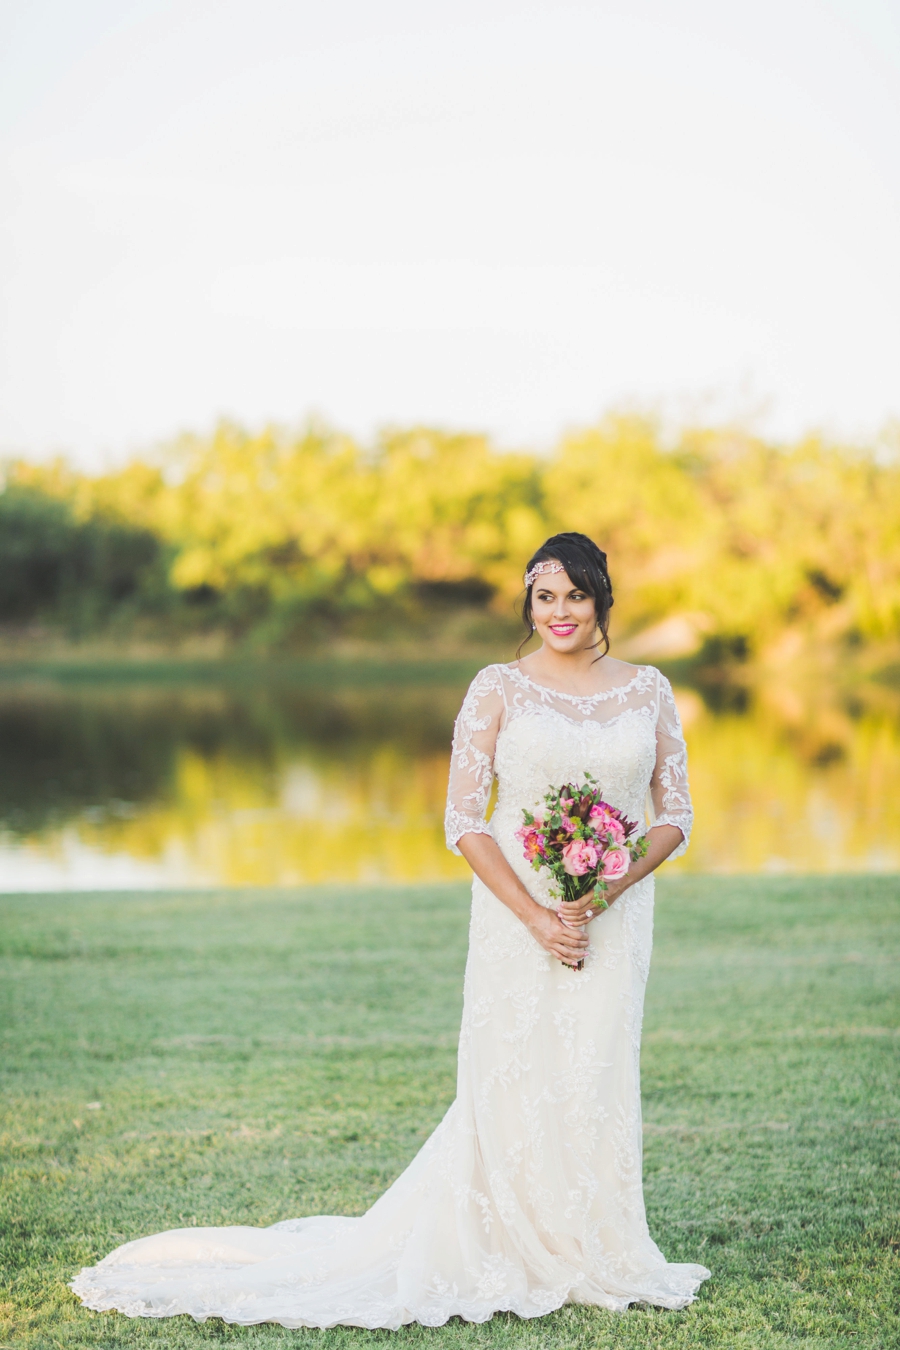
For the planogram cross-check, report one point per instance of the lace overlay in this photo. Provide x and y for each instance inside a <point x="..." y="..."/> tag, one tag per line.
<point x="486" y="742"/>
<point x="528" y="1195"/>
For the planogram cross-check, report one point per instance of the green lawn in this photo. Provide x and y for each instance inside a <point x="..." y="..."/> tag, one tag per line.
<point x="260" y="1055"/>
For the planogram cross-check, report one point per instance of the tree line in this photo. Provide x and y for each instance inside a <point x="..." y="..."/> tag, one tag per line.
<point x="285" y="538"/>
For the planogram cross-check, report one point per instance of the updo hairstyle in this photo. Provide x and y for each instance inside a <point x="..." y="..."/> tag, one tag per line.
<point x="586" y="568"/>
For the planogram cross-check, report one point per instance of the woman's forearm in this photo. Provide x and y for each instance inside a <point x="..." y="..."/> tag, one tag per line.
<point x="661" y="841"/>
<point x="486" y="860"/>
<point x="561" y="940"/>
<point x="484" y="857"/>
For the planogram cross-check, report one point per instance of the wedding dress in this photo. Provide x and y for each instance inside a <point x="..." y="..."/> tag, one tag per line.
<point x="528" y="1195"/>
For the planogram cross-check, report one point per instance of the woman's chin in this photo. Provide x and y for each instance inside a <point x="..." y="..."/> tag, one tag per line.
<point x="566" y="645"/>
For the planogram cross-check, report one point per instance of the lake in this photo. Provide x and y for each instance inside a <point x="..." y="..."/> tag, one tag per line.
<point x="279" y="778"/>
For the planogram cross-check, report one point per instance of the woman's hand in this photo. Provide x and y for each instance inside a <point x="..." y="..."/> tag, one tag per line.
<point x="577" y="913"/>
<point x="562" y="933"/>
<point x="661" y="841"/>
<point x="488" y="863"/>
<point x="566" y="943"/>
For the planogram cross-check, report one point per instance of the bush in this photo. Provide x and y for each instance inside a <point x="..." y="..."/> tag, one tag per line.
<point x="298" y="537"/>
<point x="79" y="572"/>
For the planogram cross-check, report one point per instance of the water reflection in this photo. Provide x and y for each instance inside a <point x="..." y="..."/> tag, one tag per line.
<point x="796" y="782"/>
<point x="104" y="786"/>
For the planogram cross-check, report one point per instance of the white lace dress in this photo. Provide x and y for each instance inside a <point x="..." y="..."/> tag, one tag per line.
<point x="528" y="1195"/>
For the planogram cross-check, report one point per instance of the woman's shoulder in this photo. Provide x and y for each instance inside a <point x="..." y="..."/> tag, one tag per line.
<point x="625" y="670"/>
<point x="498" y="669"/>
<point x="642" y="669"/>
<point x="488" y="679"/>
<point x="626" y="675"/>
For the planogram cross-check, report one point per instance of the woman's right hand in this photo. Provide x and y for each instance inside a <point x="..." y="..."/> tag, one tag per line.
<point x="488" y="863"/>
<point x="566" y="944"/>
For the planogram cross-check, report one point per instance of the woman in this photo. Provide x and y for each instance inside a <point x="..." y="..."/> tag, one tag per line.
<point x="528" y="1195"/>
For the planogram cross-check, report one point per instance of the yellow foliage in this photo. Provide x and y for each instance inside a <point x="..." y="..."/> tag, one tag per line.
<point x="747" y="538"/>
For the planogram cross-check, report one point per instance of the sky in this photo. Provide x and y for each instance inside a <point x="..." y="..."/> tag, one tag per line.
<point x="482" y="214"/>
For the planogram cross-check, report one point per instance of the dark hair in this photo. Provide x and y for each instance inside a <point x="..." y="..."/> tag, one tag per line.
<point x="586" y="567"/>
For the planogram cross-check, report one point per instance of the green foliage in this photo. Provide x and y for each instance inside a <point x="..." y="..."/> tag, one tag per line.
<point x="270" y="534"/>
<point x="259" y="1055"/>
<point x="57" y="566"/>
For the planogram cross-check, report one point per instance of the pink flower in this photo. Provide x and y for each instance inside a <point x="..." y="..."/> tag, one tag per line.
<point x="533" y="840"/>
<point x="615" y="862"/>
<point x="579" y="857"/>
<point x="525" y="831"/>
<point x="570" y="825"/>
<point x="535" y="846"/>
<point x="604" y="822"/>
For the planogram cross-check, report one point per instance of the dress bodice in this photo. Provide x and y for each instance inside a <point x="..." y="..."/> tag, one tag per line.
<point x="535" y="751"/>
<point x="531" y="738"/>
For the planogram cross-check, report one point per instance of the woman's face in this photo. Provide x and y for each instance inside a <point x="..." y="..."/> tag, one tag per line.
<point x="564" y="615"/>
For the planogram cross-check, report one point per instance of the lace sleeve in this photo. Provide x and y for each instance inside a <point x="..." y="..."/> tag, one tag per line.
<point x="472" y="761"/>
<point x="669" y="790"/>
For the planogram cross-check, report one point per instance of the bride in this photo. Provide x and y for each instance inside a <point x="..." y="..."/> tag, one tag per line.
<point x="528" y="1195"/>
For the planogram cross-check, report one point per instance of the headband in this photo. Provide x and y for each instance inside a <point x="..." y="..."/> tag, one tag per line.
<point x="550" y="566"/>
<point x="540" y="568"/>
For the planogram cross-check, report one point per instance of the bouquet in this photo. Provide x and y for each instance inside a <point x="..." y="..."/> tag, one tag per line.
<point x="582" y="840"/>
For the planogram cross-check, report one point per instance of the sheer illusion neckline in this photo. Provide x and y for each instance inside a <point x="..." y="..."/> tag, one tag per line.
<point x="576" y="698"/>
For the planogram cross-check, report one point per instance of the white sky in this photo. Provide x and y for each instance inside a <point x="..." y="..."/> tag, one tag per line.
<point x="478" y="213"/>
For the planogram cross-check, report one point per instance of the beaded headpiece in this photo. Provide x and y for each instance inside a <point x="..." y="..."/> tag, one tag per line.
<point x="540" y="568"/>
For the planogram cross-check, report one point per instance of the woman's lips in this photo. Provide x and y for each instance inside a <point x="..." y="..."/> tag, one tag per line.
<point x="563" y="629"/>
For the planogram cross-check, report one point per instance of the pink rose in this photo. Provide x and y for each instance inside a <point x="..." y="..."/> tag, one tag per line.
<point x="579" y="857"/>
<point x="570" y="825"/>
<point x="604" y="822"/>
<point x="615" y="862"/>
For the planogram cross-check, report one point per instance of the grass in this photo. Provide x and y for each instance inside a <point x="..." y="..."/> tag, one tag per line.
<point x="242" y="1057"/>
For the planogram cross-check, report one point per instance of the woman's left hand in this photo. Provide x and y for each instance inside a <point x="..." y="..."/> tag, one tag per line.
<point x="662" y="840"/>
<point x="577" y="913"/>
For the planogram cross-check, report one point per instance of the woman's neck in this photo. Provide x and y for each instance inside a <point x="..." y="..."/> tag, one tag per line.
<point x="579" y="672"/>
